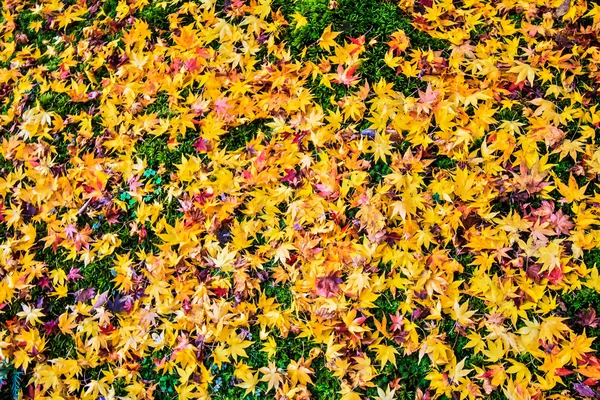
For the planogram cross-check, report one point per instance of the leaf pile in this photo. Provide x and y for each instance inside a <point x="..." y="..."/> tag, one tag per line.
<point x="186" y="191"/>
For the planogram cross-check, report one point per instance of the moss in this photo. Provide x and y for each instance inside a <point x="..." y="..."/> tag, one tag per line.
<point x="318" y="16"/>
<point x="326" y="386"/>
<point x="386" y="305"/>
<point x="378" y="171"/>
<point x="6" y="166"/>
<point x="444" y="162"/>
<point x="110" y="8"/>
<point x="165" y="383"/>
<point x="23" y="19"/>
<point x="98" y="275"/>
<point x="582" y="300"/>
<point x="592" y="257"/>
<point x="281" y="293"/>
<point x="413" y="373"/>
<point x="155" y="150"/>
<point x="377" y="20"/>
<point x="156" y="16"/>
<point x="62" y="104"/>
<point x="323" y="94"/>
<point x="561" y="167"/>
<point x="160" y="106"/>
<point x="237" y="137"/>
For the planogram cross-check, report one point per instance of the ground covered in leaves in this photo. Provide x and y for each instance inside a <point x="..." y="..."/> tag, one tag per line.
<point x="291" y="200"/>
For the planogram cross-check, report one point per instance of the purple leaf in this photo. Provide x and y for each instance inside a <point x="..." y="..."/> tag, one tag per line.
<point x="102" y="298"/>
<point x="83" y="295"/>
<point x="584" y="390"/>
<point x="74" y="274"/>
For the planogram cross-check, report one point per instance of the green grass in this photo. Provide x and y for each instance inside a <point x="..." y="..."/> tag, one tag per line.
<point x="61" y="346"/>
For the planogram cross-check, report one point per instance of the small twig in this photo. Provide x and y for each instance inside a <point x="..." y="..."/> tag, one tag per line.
<point x="84" y="207"/>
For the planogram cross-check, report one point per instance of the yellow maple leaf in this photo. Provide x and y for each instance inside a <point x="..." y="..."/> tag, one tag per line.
<point x="299" y="20"/>
<point x="524" y="71"/>
<point x="571" y="192"/>
<point x="31" y="315"/>
<point x="386" y="354"/>
<point x="298" y="372"/>
<point x="326" y="40"/>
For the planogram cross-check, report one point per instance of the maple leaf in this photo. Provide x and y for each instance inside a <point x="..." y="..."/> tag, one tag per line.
<point x="461" y="314"/>
<point x="561" y="223"/>
<point x="236" y="347"/>
<point x="563" y="8"/>
<point x="298" y="372"/>
<point x="74" y="275"/>
<point x="392" y="61"/>
<point x="570" y="148"/>
<point x="222" y="107"/>
<point x="577" y="348"/>
<point x="549" y="256"/>
<point x="428" y="98"/>
<point x="270" y="347"/>
<point x="70" y="230"/>
<point x="520" y="370"/>
<point x="358" y="45"/>
<point x="249" y="382"/>
<point x="66" y="323"/>
<point x="540" y="230"/>
<point x="346" y="76"/>
<point x="304" y="230"/>
<point x="388" y="394"/>
<point x="224" y="259"/>
<point x="186" y="392"/>
<point x="584" y="390"/>
<point x="31" y="315"/>
<point x="299" y="20"/>
<point x="271" y="375"/>
<point x="571" y="192"/>
<point x="386" y="354"/>
<point x="399" y="41"/>
<point x="532" y="180"/>
<point x="495" y="350"/>
<point x="326" y="40"/>
<point x="587" y="318"/>
<point x="552" y="327"/>
<point x="457" y="371"/>
<point x="525" y="72"/>
<point x="381" y="146"/>
<point x="328" y="285"/>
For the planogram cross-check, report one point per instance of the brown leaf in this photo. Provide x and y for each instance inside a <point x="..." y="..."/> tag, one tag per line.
<point x="588" y="318"/>
<point x="563" y="8"/>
